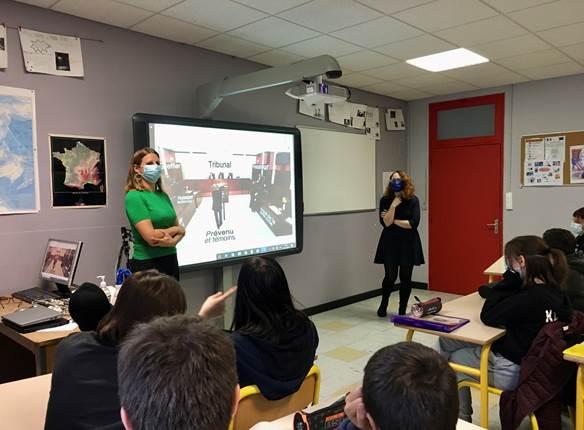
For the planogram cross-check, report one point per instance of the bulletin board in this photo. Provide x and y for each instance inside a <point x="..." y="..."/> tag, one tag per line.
<point x="552" y="159"/>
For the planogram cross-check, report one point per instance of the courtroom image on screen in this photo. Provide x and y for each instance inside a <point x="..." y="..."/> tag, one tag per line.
<point x="59" y="261"/>
<point x="233" y="190"/>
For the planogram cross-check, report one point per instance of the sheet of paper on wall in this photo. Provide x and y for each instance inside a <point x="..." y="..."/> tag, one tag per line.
<point x="394" y="120"/>
<point x="372" y="127"/>
<point x="315" y="111"/>
<point x="347" y="114"/>
<point x="555" y="148"/>
<point x="577" y="164"/>
<point x="534" y="150"/>
<point x="19" y="184"/>
<point x="538" y="173"/>
<point x="51" y="54"/>
<point x="3" y="48"/>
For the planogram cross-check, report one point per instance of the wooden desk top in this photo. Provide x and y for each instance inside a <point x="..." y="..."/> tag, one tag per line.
<point x="29" y="339"/>
<point x="475" y="331"/>
<point x="578" y="356"/>
<point x="497" y="268"/>
<point x="24" y="403"/>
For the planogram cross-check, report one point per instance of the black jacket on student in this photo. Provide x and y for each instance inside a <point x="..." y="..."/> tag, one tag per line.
<point x="279" y="367"/>
<point x="522" y="311"/>
<point x="84" y="386"/>
<point x="575" y="281"/>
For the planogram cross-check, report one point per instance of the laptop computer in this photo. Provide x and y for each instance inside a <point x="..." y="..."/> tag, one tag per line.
<point x="31" y="316"/>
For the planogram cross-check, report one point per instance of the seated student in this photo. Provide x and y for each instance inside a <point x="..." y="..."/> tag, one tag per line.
<point x="84" y="385"/>
<point x="88" y="305"/>
<point x="563" y="240"/>
<point x="275" y="344"/>
<point x="577" y="228"/>
<point x="406" y="386"/>
<point x="177" y="373"/>
<point x="528" y="297"/>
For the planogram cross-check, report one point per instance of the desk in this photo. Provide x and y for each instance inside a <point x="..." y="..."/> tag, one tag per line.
<point x="41" y="344"/>
<point x="495" y="269"/>
<point x="24" y="403"/>
<point x="571" y="355"/>
<point x="476" y="332"/>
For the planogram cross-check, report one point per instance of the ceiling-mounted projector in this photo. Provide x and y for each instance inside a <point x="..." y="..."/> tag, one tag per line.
<point x="318" y="92"/>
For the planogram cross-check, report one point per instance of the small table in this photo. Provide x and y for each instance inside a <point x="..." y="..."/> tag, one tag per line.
<point x="24" y="403"/>
<point x="571" y="354"/>
<point x="495" y="269"/>
<point x="476" y="332"/>
<point x="41" y="344"/>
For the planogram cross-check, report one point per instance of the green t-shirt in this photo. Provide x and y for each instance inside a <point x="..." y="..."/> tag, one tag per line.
<point x="156" y="207"/>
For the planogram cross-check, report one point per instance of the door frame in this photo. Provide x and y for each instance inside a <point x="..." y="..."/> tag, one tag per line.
<point x="434" y="144"/>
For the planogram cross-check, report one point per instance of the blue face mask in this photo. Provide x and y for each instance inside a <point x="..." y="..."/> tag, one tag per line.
<point x="396" y="185"/>
<point x="152" y="173"/>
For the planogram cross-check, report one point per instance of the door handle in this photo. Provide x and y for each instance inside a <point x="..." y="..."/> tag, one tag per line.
<point x="495" y="226"/>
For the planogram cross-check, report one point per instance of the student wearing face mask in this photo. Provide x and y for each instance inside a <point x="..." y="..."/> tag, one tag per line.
<point x="576" y="228"/>
<point x="399" y="248"/>
<point x="528" y="297"/>
<point x="152" y="217"/>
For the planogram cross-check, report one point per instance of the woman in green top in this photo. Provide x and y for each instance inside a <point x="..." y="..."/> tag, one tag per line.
<point x="152" y="217"/>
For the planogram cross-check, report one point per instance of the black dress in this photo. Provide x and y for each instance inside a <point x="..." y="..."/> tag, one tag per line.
<point x="400" y="246"/>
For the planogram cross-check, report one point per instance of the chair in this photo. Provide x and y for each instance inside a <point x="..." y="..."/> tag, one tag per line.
<point x="254" y="407"/>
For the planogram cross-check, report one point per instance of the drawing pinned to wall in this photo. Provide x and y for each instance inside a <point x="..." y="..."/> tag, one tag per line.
<point x="394" y="120"/>
<point x="51" y="54"/>
<point x="19" y="185"/>
<point x="314" y="111"/>
<point x="3" y="48"/>
<point x="347" y="114"/>
<point x="78" y="171"/>
<point x="372" y="123"/>
<point x="543" y="173"/>
<point x="577" y="164"/>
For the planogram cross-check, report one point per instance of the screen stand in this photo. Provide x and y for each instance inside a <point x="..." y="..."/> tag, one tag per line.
<point x="223" y="278"/>
<point x="62" y="290"/>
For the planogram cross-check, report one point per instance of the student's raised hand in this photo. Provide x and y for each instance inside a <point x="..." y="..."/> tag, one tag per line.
<point x="214" y="305"/>
<point x="355" y="410"/>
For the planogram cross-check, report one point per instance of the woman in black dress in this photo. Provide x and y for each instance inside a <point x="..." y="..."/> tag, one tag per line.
<point x="399" y="248"/>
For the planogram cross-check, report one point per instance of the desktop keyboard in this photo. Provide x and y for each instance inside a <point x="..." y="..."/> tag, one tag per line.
<point x="33" y="295"/>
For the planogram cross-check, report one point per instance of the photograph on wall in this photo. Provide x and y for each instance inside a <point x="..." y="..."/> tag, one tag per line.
<point x="3" y="48"/>
<point x="348" y="114"/>
<point x="51" y="54"/>
<point x="372" y="127"/>
<point x="577" y="164"/>
<point x="394" y="120"/>
<point x="315" y="110"/>
<point x="19" y="185"/>
<point x="540" y="173"/>
<point x="78" y="171"/>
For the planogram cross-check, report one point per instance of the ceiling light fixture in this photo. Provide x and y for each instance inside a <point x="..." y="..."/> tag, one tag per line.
<point x="448" y="60"/>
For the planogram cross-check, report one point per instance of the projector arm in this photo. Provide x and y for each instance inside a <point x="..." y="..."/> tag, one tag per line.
<point x="210" y="95"/>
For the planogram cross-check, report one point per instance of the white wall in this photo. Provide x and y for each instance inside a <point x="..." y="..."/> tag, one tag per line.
<point x="551" y="105"/>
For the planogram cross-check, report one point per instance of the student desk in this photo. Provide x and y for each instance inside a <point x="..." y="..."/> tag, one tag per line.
<point x="476" y="332"/>
<point x="41" y="344"/>
<point x="495" y="269"/>
<point x="24" y="403"/>
<point x="576" y="355"/>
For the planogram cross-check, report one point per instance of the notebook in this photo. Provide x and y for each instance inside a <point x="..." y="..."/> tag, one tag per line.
<point x="442" y="323"/>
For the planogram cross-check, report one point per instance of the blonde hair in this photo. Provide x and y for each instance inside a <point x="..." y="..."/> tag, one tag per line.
<point x="134" y="181"/>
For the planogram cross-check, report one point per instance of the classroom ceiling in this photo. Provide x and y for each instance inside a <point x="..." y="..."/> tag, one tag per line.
<point x="524" y="39"/>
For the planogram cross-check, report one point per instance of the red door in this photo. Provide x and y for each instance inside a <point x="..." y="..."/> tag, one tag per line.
<point x="465" y="191"/>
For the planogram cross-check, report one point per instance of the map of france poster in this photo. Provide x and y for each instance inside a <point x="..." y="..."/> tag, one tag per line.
<point x="19" y="184"/>
<point x="78" y="171"/>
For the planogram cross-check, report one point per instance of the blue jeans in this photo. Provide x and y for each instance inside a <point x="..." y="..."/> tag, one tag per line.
<point x="503" y="373"/>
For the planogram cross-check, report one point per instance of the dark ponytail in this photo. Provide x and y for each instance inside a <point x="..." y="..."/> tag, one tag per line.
<point x="560" y="266"/>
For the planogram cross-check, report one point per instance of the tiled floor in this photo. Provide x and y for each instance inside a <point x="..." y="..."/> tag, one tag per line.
<point x="350" y="335"/>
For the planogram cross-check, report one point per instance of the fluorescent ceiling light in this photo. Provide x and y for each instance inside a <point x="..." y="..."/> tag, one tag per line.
<point x="448" y="60"/>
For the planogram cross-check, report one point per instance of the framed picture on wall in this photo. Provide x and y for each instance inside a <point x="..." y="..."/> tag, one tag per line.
<point x="78" y="171"/>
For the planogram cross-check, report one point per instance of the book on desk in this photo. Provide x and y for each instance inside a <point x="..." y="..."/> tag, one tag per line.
<point x="442" y="323"/>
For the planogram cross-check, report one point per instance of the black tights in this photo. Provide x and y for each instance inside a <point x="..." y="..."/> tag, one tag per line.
<point x="405" y="279"/>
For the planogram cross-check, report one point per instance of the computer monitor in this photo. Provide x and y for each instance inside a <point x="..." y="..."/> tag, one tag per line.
<point x="59" y="264"/>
